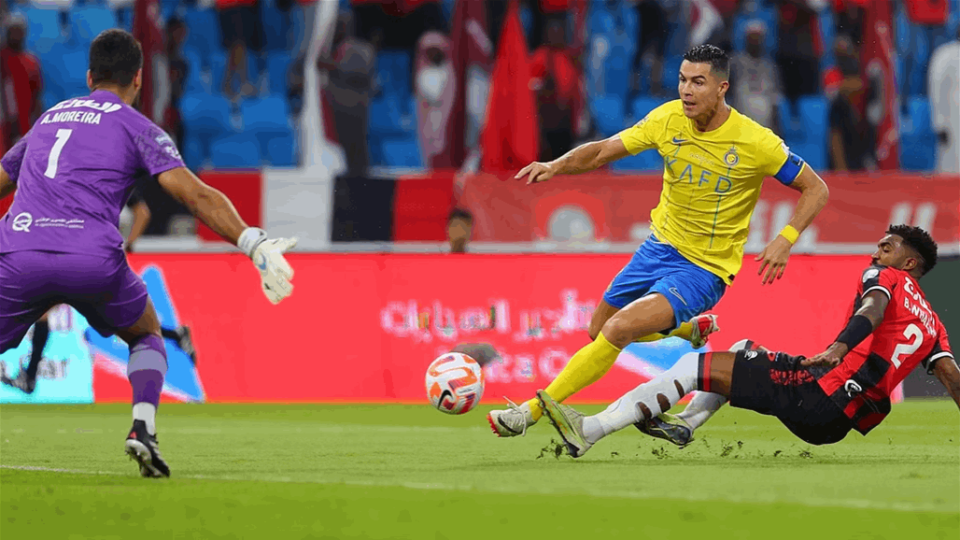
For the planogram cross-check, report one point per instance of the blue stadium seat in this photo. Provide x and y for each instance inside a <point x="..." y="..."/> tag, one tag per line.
<point x="218" y="64"/>
<point x="918" y="108"/>
<point x="789" y="123"/>
<point x="813" y="117"/>
<point x="671" y="71"/>
<point x="89" y="21"/>
<point x="43" y="29"/>
<point x="205" y="114"/>
<point x="393" y="69"/>
<point x="281" y="151"/>
<point x="387" y="118"/>
<point x="194" y="82"/>
<point x="643" y="105"/>
<point x="278" y="64"/>
<point x="275" y="26"/>
<point x="813" y="152"/>
<point x="646" y="161"/>
<point x="238" y="151"/>
<point x="195" y="151"/>
<point x="608" y="114"/>
<point x="265" y="114"/>
<point x="204" y="35"/>
<point x="402" y="153"/>
<point x="617" y="73"/>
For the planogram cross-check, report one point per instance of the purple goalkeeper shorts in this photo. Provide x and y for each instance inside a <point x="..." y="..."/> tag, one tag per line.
<point x="102" y="288"/>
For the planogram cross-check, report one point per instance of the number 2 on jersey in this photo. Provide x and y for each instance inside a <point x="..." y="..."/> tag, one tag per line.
<point x="911" y="332"/>
<point x="63" y="135"/>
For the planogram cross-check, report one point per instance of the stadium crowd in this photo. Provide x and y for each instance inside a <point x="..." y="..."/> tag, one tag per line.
<point x="226" y="78"/>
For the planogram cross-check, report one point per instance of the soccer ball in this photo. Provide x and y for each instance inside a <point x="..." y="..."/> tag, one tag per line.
<point x="454" y="383"/>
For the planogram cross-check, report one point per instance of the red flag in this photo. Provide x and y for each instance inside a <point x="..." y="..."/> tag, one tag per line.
<point x="148" y="29"/>
<point x="511" y="138"/>
<point x="877" y="59"/>
<point x="472" y="55"/>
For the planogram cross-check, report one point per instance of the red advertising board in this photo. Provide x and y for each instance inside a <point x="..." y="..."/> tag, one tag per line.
<point x="365" y="327"/>
<point x="618" y="208"/>
<point x="245" y="191"/>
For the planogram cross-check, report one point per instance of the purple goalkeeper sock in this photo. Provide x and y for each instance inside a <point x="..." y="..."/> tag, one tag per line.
<point x="146" y="369"/>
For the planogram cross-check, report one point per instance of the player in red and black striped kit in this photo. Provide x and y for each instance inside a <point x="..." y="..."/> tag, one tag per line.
<point x="891" y="329"/>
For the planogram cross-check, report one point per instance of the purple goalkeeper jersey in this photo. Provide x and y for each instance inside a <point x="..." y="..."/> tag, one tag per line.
<point x="74" y="171"/>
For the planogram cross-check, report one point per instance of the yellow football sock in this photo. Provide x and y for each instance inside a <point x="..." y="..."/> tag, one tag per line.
<point x="684" y="331"/>
<point x="585" y="368"/>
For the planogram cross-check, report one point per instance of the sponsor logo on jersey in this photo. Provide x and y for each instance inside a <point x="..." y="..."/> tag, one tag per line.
<point x="678" y="141"/>
<point x="22" y="222"/>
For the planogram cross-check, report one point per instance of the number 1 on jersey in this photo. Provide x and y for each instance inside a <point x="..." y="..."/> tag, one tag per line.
<point x="63" y="135"/>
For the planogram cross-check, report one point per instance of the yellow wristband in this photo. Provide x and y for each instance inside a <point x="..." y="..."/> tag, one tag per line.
<point x="790" y="234"/>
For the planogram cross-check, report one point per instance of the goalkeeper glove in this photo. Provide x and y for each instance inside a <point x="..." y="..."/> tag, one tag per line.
<point x="267" y="256"/>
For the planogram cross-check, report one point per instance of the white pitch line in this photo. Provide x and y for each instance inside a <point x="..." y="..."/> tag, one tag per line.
<point x="636" y="495"/>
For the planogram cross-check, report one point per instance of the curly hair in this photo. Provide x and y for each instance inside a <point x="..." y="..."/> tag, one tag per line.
<point x="920" y="241"/>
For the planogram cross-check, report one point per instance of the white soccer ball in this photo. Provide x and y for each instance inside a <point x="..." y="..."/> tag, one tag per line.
<point x="454" y="383"/>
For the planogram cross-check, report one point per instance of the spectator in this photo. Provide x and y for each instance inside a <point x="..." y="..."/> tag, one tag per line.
<point x="797" y="54"/>
<point x="754" y="81"/>
<point x="459" y="230"/>
<point x="557" y="85"/>
<point x="435" y="91"/>
<point x="844" y="51"/>
<point x="241" y="29"/>
<point x="849" y="20"/>
<point x="850" y="137"/>
<point x="349" y="88"/>
<point x="653" y="44"/>
<point x="945" y="104"/>
<point x="401" y="22"/>
<point x="22" y="79"/>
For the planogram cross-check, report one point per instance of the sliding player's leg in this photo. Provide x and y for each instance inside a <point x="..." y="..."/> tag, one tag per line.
<point x="590" y="363"/>
<point x="708" y="372"/>
<point x="657" y="292"/>
<point x="678" y="429"/>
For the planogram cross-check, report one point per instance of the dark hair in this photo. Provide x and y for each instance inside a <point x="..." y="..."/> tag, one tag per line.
<point x="710" y="54"/>
<point x="115" y="58"/>
<point x="460" y="213"/>
<point x="920" y="241"/>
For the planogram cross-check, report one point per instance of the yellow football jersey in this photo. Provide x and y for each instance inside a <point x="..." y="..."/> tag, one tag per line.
<point x="711" y="182"/>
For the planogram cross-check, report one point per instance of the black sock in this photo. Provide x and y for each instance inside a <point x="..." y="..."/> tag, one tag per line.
<point x="170" y="334"/>
<point x="41" y="331"/>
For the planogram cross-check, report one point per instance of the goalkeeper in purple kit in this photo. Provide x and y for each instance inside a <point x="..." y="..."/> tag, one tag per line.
<point x="60" y="242"/>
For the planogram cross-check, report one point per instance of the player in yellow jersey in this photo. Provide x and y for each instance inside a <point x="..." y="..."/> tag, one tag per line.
<point x="715" y="161"/>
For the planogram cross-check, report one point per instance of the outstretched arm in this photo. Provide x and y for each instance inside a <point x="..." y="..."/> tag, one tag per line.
<point x="210" y="205"/>
<point x="218" y="213"/>
<point x="813" y="197"/>
<point x="584" y="158"/>
<point x="861" y="325"/>
<point x="946" y="371"/>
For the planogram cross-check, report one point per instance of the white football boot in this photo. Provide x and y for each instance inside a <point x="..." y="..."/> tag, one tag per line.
<point x="512" y="421"/>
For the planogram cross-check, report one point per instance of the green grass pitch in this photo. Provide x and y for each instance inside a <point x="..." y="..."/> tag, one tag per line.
<point x="379" y="472"/>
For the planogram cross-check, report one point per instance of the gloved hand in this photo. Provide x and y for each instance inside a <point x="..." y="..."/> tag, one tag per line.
<point x="267" y="256"/>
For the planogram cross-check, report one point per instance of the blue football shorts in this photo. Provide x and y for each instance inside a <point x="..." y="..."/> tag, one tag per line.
<point x="657" y="267"/>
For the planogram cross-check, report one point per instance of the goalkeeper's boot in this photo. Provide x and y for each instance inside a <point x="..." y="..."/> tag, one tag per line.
<point x="185" y="342"/>
<point x="703" y="326"/>
<point x="668" y="427"/>
<point x="568" y="422"/>
<point x="143" y="448"/>
<point x="23" y="382"/>
<point x="512" y="421"/>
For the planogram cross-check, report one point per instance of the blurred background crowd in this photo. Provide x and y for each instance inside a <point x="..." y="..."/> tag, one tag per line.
<point x="419" y="84"/>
